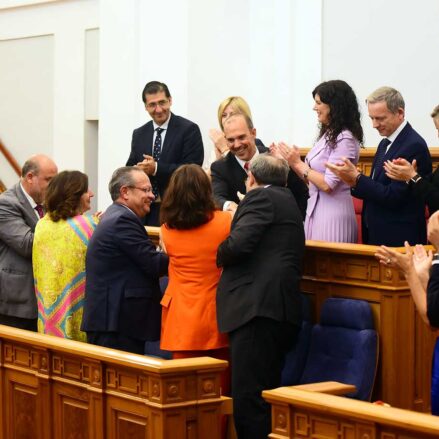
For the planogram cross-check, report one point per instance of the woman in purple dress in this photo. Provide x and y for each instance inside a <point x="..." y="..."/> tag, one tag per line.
<point x="330" y="214"/>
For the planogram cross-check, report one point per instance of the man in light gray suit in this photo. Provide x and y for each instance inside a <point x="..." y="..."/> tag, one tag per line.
<point x="20" y="209"/>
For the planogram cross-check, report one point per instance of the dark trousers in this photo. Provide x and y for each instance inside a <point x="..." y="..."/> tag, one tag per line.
<point x="19" y="322"/>
<point x="258" y="351"/>
<point x="116" y="340"/>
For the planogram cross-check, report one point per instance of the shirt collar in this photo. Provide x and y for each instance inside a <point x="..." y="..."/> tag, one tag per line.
<point x="243" y="162"/>
<point x="163" y="126"/>
<point x="394" y="135"/>
<point x="28" y="197"/>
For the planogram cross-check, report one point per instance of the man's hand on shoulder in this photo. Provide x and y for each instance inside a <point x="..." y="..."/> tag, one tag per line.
<point x="231" y="207"/>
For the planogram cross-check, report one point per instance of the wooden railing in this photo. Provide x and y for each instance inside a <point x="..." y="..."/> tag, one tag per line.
<point x="300" y="414"/>
<point x="52" y="388"/>
<point x="10" y="158"/>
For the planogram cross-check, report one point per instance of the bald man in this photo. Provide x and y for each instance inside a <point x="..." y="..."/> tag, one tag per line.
<point x="20" y="209"/>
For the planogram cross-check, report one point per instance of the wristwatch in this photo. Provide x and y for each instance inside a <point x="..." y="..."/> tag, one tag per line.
<point x="305" y="174"/>
<point x="415" y="178"/>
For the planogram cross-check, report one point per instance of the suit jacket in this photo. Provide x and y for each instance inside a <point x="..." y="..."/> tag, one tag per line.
<point x="427" y="188"/>
<point x="228" y="177"/>
<point x="17" y="225"/>
<point x="391" y="213"/>
<point x="122" y="292"/>
<point x="433" y="296"/>
<point x="183" y="144"/>
<point x="261" y="260"/>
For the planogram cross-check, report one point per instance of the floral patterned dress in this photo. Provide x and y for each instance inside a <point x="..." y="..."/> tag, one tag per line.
<point x="58" y="258"/>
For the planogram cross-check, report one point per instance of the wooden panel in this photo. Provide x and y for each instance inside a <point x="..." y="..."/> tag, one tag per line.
<point x="301" y="414"/>
<point x="21" y="414"/>
<point x="60" y="389"/>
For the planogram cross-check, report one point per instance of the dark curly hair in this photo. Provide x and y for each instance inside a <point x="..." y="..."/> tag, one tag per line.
<point x="188" y="201"/>
<point x="344" y="113"/>
<point x="63" y="194"/>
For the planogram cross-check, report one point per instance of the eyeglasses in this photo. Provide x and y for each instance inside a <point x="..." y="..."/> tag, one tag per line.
<point x="153" y="105"/>
<point x="146" y="190"/>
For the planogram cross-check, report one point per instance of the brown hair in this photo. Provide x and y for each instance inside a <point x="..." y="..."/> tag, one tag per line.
<point x="63" y="195"/>
<point x="188" y="201"/>
<point x="435" y="112"/>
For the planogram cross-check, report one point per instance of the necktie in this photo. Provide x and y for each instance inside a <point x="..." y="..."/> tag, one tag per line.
<point x="379" y="157"/>
<point x="157" y="150"/>
<point x="39" y="209"/>
<point x="246" y="166"/>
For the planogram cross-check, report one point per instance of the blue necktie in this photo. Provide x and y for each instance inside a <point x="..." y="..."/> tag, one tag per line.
<point x="157" y="150"/>
<point x="379" y="156"/>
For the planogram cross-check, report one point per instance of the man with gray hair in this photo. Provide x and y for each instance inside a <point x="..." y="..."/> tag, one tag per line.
<point x="20" y="209"/>
<point x="122" y="293"/>
<point x="391" y="213"/>
<point x="258" y="297"/>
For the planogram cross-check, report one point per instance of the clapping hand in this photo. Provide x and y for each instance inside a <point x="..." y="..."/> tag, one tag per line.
<point x="400" y="169"/>
<point x="346" y="170"/>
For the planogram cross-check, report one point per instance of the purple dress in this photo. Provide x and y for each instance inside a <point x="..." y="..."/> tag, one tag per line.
<point x="331" y="216"/>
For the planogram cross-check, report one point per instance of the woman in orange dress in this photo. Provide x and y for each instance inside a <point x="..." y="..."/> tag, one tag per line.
<point x="191" y="233"/>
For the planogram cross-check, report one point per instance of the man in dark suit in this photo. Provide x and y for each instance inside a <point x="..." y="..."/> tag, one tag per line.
<point x="122" y="293"/>
<point x="391" y="213"/>
<point x="20" y="209"/>
<point x="258" y="301"/>
<point x="163" y="144"/>
<point x="229" y="173"/>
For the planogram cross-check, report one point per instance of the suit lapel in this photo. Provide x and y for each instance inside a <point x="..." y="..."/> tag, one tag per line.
<point x="149" y="139"/>
<point x="27" y="208"/>
<point x="238" y="173"/>
<point x="393" y="151"/>
<point x="170" y="134"/>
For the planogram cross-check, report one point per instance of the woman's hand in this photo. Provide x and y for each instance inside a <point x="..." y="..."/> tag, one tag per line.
<point x="290" y="153"/>
<point x="274" y="151"/>
<point x="391" y="258"/>
<point x="219" y="142"/>
<point x="400" y="169"/>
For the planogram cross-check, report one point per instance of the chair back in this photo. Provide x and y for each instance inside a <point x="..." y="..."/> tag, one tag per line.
<point x="344" y="347"/>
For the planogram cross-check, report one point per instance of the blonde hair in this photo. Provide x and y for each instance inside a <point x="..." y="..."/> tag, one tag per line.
<point x="435" y="112"/>
<point x="238" y="103"/>
<point x="390" y="96"/>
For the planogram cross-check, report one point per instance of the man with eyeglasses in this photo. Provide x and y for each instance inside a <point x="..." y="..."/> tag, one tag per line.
<point x="122" y="295"/>
<point x="163" y="144"/>
<point x="230" y="172"/>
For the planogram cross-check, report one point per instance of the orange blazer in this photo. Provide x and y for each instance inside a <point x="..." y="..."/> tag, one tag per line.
<point x="189" y="303"/>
